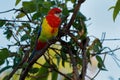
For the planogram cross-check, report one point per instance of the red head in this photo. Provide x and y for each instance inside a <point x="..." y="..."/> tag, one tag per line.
<point x="53" y="17"/>
<point x="55" y="11"/>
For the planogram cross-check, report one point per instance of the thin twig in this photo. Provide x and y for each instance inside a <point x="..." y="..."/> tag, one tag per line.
<point x="16" y="20"/>
<point x="42" y="65"/>
<point x="94" y="54"/>
<point x="7" y="11"/>
<point x="89" y="77"/>
<point x="56" y="51"/>
<point x="115" y="39"/>
<point x="67" y="77"/>
<point x="21" y="10"/>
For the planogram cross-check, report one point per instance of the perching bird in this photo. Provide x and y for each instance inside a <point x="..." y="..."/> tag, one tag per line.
<point x="48" y="29"/>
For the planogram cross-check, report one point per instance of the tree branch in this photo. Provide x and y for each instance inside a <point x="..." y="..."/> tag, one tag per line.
<point x="35" y="58"/>
<point x="21" y="10"/>
<point x="41" y="52"/>
<point x="84" y="58"/>
<point x="74" y="65"/>
<point x="18" y="66"/>
<point x="7" y="11"/>
<point x="76" y="9"/>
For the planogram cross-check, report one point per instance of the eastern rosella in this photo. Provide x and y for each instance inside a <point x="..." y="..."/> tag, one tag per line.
<point x="48" y="29"/>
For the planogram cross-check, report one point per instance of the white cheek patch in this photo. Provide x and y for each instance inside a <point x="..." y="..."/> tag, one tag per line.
<point x="57" y="15"/>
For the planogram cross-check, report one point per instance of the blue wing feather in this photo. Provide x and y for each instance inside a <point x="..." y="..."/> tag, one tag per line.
<point x="39" y="31"/>
<point x="34" y="51"/>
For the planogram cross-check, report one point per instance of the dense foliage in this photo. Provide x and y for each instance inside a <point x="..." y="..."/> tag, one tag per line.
<point x="71" y="49"/>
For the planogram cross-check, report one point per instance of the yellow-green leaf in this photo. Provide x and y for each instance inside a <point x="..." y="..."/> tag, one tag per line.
<point x="116" y="10"/>
<point x="17" y="2"/>
<point x="73" y="1"/>
<point x="20" y="15"/>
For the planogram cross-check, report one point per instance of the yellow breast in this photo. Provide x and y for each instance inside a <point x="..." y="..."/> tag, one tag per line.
<point x="47" y="31"/>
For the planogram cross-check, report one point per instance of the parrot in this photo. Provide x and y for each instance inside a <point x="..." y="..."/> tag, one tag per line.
<point x="48" y="29"/>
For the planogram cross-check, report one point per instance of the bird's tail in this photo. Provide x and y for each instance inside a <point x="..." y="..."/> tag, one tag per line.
<point x="40" y="45"/>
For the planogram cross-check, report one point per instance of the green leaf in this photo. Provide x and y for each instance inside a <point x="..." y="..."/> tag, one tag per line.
<point x="36" y="16"/>
<point x="96" y="46"/>
<point x="112" y="7"/>
<point x="99" y="59"/>
<point x="67" y="0"/>
<point x="27" y="27"/>
<point x="47" y="4"/>
<point x="4" y="53"/>
<point x="34" y="70"/>
<point x="65" y="11"/>
<point x="73" y="1"/>
<point x="2" y="23"/>
<point x="64" y="58"/>
<point x="100" y="63"/>
<point x="29" y="7"/>
<point x="2" y="61"/>
<point x="20" y="15"/>
<point x="8" y="33"/>
<point x="116" y="9"/>
<point x="58" y="58"/>
<point x="53" y="2"/>
<point x="25" y="65"/>
<point x="54" y="75"/>
<point x="17" y="2"/>
<point x="17" y="60"/>
<point x="42" y="73"/>
<point x="63" y="63"/>
<point x="25" y="37"/>
<point x="63" y="55"/>
<point x="83" y="17"/>
<point x="101" y="67"/>
<point x="43" y="69"/>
